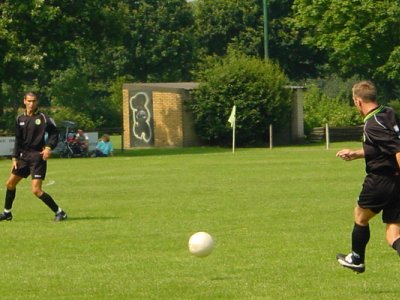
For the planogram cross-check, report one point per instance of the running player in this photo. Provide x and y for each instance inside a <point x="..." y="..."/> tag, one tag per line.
<point x="381" y="188"/>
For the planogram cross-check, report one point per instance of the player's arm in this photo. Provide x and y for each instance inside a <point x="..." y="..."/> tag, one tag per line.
<point x="398" y="159"/>
<point x="17" y="145"/>
<point x="52" y="139"/>
<point x="53" y="134"/>
<point x="347" y="154"/>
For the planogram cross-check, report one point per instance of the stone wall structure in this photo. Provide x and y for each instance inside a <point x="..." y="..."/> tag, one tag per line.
<point x="155" y="115"/>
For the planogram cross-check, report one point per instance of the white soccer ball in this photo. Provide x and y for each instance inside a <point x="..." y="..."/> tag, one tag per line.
<point x="201" y="244"/>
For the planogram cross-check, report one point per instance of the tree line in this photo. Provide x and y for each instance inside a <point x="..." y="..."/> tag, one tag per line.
<point x="77" y="54"/>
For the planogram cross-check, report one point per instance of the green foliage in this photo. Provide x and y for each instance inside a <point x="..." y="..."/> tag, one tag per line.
<point x="82" y="119"/>
<point x="299" y="60"/>
<point x="320" y="109"/>
<point x="225" y="24"/>
<point x="359" y="37"/>
<point x="220" y="23"/>
<point x="70" y="88"/>
<point x="160" y="40"/>
<point x="395" y="104"/>
<point x="7" y="123"/>
<point x="256" y="87"/>
<point x="73" y="52"/>
<point x="85" y="48"/>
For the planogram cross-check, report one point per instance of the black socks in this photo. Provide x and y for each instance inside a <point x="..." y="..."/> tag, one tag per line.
<point x="10" y="196"/>
<point x="48" y="200"/>
<point x="359" y="238"/>
<point x="396" y="245"/>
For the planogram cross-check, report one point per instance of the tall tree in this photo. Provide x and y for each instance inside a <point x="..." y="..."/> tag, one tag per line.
<point x="160" y="39"/>
<point x="73" y="52"/>
<point x="219" y="23"/>
<point x="238" y="24"/>
<point x="298" y="60"/>
<point x="359" y="37"/>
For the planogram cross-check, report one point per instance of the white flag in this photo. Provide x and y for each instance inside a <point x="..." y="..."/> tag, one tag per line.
<point x="232" y="117"/>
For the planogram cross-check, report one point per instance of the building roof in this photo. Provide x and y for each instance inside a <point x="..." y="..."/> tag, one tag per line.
<point x="162" y="85"/>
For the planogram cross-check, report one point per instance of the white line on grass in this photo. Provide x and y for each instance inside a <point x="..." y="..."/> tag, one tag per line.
<point x="51" y="182"/>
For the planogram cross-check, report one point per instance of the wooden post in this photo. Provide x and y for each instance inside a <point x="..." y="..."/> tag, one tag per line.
<point x="327" y="136"/>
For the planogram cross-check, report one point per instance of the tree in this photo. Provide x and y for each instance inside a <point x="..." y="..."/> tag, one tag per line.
<point x="359" y="37"/>
<point x="255" y="86"/>
<point x="159" y="36"/>
<point x="299" y="61"/>
<point x="320" y="109"/>
<point x="239" y="25"/>
<point x="74" y="52"/>
<point x="220" y="23"/>
<point x="82" y="37"/>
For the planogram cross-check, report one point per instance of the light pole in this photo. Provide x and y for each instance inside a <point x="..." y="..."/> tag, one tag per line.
<point x="265" y="9"/>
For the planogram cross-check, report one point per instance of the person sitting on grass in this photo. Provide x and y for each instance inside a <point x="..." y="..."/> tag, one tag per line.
<point x="83" y="141"/>
<point x="104" y="147"/>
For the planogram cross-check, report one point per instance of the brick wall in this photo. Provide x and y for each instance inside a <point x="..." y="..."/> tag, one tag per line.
<point x="171" y="123"/>
<point x="168" y="119"/>
<point x="126" y="119"/>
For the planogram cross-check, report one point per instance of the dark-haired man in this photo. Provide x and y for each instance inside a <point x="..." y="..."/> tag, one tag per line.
<point x="31" y="152"/>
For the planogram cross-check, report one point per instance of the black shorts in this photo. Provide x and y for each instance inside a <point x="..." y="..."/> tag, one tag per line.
<point x="31" y="163"/>
<point x="382" y="193"/>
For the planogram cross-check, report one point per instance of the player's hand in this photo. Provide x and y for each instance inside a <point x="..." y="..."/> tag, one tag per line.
<point x="346" y="154"/>
<point x="46" y="153"/>
<point x="14" y="165"/>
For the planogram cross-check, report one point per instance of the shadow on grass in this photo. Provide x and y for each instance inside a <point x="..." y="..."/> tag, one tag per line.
<point x="91" y="218"/>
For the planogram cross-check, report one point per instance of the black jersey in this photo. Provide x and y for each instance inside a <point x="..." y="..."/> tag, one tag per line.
<point x="381" y="141"/>
<point x="30" y="133"/>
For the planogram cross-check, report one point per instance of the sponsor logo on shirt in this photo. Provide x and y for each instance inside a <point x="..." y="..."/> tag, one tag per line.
<point x="21" y="123"/>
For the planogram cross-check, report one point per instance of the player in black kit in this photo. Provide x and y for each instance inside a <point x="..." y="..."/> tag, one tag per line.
<point x="31" y="152"/>
<point x="381" y="188"/>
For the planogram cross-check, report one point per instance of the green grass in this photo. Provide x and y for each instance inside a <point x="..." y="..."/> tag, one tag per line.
<point x="278" y="218"/>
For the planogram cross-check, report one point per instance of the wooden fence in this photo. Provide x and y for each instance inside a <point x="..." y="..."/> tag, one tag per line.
<point x="337" y="134"/>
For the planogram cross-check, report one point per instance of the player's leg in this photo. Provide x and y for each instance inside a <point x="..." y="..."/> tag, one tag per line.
<point x="38" y="172"/>
<point x="11" y="188"/>
<point x="359" y="240"/>
<point x="393" y="236"/>
<point x="390" y="216"/>
<point x="47" y="199"/>
<point x="361" y="231"/>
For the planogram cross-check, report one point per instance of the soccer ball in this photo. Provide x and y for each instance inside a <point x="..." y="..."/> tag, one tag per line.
<point x="201" y="244"/>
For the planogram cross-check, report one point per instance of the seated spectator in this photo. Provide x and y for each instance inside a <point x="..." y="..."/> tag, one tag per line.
<point x="83" y="140"/>
<point x="104" y="147"/>
<point x="71" y="138"/>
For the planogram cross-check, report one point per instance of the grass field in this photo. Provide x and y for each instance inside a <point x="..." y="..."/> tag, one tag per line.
<point x="278" y="218"/>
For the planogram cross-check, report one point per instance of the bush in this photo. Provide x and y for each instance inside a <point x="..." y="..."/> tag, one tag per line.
<point x="395" y="104"/>
<point x="320" y="109"/>
<point x="258" y="90"/>
<point x="60" y="114"/>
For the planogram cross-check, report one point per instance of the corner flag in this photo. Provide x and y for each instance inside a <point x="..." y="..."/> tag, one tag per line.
<point x="232" y="117"/>
<point x="232" y="120"/>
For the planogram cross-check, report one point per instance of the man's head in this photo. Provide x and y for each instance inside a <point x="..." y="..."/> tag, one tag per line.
<point x="364" y="96"/>
<point x="105" y="137"/>
<point x="365" y="90"/>
<point x="30" y="102"/>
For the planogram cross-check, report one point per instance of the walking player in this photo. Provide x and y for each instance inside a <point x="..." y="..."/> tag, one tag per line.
<point x="30" y="155"/>
<point x="381" y="188"/>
